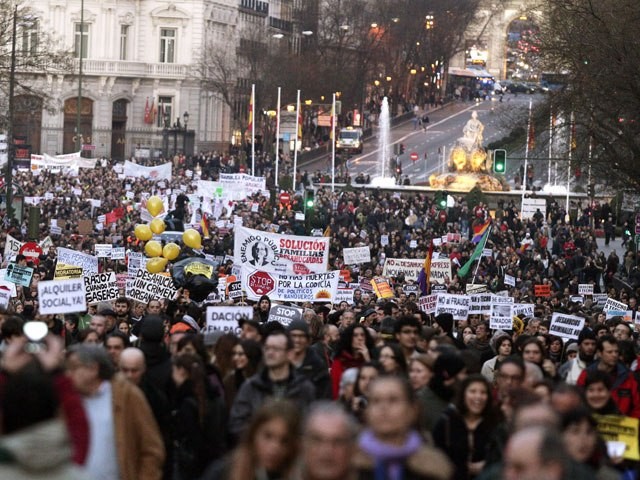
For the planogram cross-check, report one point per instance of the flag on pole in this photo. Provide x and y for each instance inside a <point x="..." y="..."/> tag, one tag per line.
<point x="251" y="102"/>
<point x="332" y="126"/>
<point x="425" y="273"/>
<point x="161" y="113"/>
<point x="477" y="253"/>
<point x="204" y="224"/>
<point x="531" y="140"/>
<point x="574" y="143"/>
<point x="478" y="231"/>
<point x="147" y="112"/>
<point x="299" y="126"/>
<point x="153" y="112"/>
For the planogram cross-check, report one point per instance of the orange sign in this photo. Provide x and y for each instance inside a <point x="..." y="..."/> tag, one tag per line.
<point x="542" y="290"/>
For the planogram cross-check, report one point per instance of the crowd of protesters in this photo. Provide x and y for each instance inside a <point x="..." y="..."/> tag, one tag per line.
<point x="373" y="388"/>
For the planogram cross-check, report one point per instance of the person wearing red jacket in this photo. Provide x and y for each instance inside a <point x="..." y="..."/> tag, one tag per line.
<point x="624" y="390"/>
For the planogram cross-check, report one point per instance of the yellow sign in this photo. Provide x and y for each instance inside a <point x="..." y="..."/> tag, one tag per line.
<point x="197" y="268"/>
<point x="65" y="272"/>
<point x="620" y="429"/>
<point x="381" y="287"/>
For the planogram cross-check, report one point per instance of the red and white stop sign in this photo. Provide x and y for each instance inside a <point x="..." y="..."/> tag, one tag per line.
<point x="285" y="198"/>
<point x="32" y="251"/>
<point x="442" y="216"/>
<point x="261" y="283"/>
<point x="413" y="156"/>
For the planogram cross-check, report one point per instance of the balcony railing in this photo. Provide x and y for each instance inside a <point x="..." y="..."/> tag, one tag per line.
<point x="255" y="6"/>
<point x="133" y="69"/>
<point x="281" y="24"/>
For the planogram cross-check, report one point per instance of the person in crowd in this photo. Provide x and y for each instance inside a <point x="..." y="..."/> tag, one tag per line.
<point x="306" y="361"/>
<point x="157" y="357"/>
<point x="277" y="380"/>
<point x="389" y="446"/>
<point x="346" y="395"/>
<point x="597" y="393"/>
<point x="448" y="370"/>
<point x="115" y="343"/>
<point x="465" y="428"/>
<point x="420" y="372"/>
<point x="570" y="371"/>
<point x="125" y="442"/>
<point x="268" y="448"/>
<point x="354" y="349"/>
<point x="503" y="347"/>
<point x="509" y="376"/>
<point x="407" y="331"/>
<point x="359" y="401"/>
<point x="325" y="347"/>
<point x="88" y="335"/>
<point x="392" y="359"/>
<point x="247" y="356"/>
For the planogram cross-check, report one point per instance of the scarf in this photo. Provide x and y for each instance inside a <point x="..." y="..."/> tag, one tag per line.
<point x="389" y="459"/>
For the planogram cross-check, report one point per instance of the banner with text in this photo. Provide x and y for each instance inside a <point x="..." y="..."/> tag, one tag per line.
<point x="226" y="319"/>
<point x="61" y="296"/>
<point x="356" y="255"/>
<point x="409" y="267"/>
<point x="315" y="287"/>
<point x="150" y="286"/>
<point x="457" y="305"/>
<point x="102" y="287"/>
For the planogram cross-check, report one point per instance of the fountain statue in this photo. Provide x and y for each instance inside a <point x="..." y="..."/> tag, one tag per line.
<point x="468" y="164"/>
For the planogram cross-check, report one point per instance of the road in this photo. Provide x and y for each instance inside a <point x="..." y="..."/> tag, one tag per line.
<point x="432" y="145"/>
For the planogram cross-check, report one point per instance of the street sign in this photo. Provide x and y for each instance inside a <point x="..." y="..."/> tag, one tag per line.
<point x="88" y="147"/>
<point x="261" y="283"/>
<point x="285" y="198"/>
<point x="414" y="156"/>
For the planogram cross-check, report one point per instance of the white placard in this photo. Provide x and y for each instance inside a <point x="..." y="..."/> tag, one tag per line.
<point x="585" y="289"/>
<point x="102" y="287"/>
<point x="523" y="310"/>
<point x="61" y="296"/>
<point x="357" y="255"/>
<point x="118" y="253"/>
<point x="89" y="263"/>
<point x="384" y="240"/>
<point x="487" y="252"/>
<point x="5" y="298"/>
<point x="457" y="305"/>
<point x="226" y="319"/>
<point x="612" y="304"/>
<point x="315" y="287"/>
<point x="480" y="303"/>
<point x="440" y="271"/>
<point x="428" y="303"/>
<point x="409" y="267"/>
<point x="509" y="280"/>
<point x="344" y="295"/>
<point x="501" y="316"/>
<point x="566" y="326"/>
<point x="150" y="286"/>
<point x="103" y="250"/>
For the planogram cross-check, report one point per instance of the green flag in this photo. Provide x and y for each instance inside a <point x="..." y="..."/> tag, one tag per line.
<point x="477" y="253"/>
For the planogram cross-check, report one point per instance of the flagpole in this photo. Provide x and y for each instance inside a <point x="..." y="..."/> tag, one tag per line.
<point x="550" y="146"/>
<point x="278" y="135"/>
<point x="333" y="144"/>
<point x="295" y="143"/>
<point x="253" y="129"/>
<point x="526" y="161"/>
<point x="571" y="140"/>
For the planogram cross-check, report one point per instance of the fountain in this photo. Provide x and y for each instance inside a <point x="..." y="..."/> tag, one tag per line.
<point x="384" y="152"/>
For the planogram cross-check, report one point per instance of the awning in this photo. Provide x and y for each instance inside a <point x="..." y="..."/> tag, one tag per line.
<point x="469" y="72"/>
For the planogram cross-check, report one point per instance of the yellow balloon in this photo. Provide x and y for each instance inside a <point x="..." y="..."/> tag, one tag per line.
<point x="154" y="205"/>
<point x="153" y="248"/>
<point x="156" y="265"/>
<point x="171" y="251"/>
<point x="192" y="238"/>
<point x="157" y="226"/>
<point x="143" y="232"/>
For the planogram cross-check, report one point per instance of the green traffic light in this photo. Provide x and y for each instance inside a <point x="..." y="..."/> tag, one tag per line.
<point x="309" y="203"/>
<point x="500" y="161"/>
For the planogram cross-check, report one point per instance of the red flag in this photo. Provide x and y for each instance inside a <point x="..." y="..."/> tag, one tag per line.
<point x="532" y="137"/>
<point x="152" y="111"/>
<point x="204" y="224"/>
<point x="110" y="218"/>
<point x="118" y="212"/>
<point x="147" y="112"/>
<point x="250" y="123"/>
<point x="299" y="126"/>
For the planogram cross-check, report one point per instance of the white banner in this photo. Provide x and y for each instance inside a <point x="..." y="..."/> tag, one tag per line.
<point x="566" y="326"/>
<point x="280" y="253"/>
<point x="523" y="310"/>
<point x="149" y="286"/>
<point x="61" y="296"/>
<point x="103" y="250"/>
<point x="440" y="271"/>
<point x="509" y="280"/>
<point x="457" y="305"/>
<point x="156" y="173"/>
<point x="344" y="295"/>
<point x="315" y="287"/>
<point x="238" y="186"/>
<point x="102" y="287"/>
<point x="480" y="303"/>
<point x="614" y="305"/>
<point x="61" y="162"/>
<point x="428" y="303"/>
<point x="410" y="267"/>
<point x="89" y="263"/>
<point x="585" y="289"/>
<point x="356" y="255"/>
<point x="225" y="319"/>
<point x="501" y="316"/>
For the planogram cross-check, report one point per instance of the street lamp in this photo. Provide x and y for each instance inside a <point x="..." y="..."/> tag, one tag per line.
<point x="185" y="117"/>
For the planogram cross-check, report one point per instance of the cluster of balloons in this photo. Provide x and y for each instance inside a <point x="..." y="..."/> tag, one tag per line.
<point x="159" y="255"/>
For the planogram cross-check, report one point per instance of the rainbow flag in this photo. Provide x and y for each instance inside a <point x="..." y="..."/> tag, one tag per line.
<point x="478" y="231"/>
<point x="204" y="224"/>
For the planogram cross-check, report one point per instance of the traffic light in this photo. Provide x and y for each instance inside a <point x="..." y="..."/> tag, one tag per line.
<point x="310" y="200"/>
<point x="441" y="200"/>
<point x="499" y="161"/>
<point x="401" y="148"/>
<point x="591" y="190"/>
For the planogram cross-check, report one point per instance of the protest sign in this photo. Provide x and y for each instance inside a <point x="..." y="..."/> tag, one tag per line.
<point x="135" y="261"/>
<point x="612" y="304"/>
<point x="239" y="186"/>
<point x="585" y="289"/>
<point x="487" y="252"/>
<point x="317" y="287"/>
<point x="234" y="290"/>
<point x="618" y="428"/>
<point x="102" y="287"/>
<point x="89" y="263"/>
<point x="384" y="240"/>
<point x="473" y="288"/>
<point x="409" y="289"/>
<point x="61" y="296"/>
<point x="440" y="271"/>
<point x="480" y="303"/>
<point x="409" y="267"/>
<point x="454" y="238"/>
<point x="439" y="288"/>
<point x="155" y="173"/>
<point x="523" y="310"/>
<point x="11" y="247"/>
<point x="149" y="286"/>
<point x="457" y="305"/>
<point x="576" y="299"/>
<point x="509" y="280"/>
<point x="566" y="326"/>
<point x="18" y="275"/>
<point x="285" y="314"/>
<point x="542" y="290"/>
<point x="501" y="316"/>
<point x="428" y="303"/>
<point x="4" y="285"/>
<point x="118" y="253"/>
<point x="225" y="319"/>
<point x="357" y="255"/>
<point x="5" y="298"/>
<point x="273" y="252"/>
<point x="103" y="250"/>
<point x="600" y="298"/>
<point x="381" y="287"/>
<point x="344" y="295"/>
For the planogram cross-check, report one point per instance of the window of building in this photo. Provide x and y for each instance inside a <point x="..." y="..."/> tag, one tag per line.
<point x="30" y="38"/>
<point x="124" y="41"/>
<point x="81" y="40"/>
<point x="167" y="45"/>
<point x="164" y="111"/>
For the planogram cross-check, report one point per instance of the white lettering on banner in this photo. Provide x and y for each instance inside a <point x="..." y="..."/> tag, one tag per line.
<point x="480" y="303"/>
<point x="315" y="287"/>
<point x="273" y="252"/>
<point x="612" y="304"/>
<point x="531" y="205"/>
<point x="357" y="255"/>
<point x="102" y="287"/>
<point x="285" y="314"/>
<point x="61" y="296"/>
<point x="585" y="289"/>
<point x="151" y="286"/>
<point x="344" y="295"/>
<point x="103" y="250"/>
<point x="239" y="186"/>
<point x="509" y="280"/>
<point x="523" y="310"/>
<point x="440" y="271"/>
<point x="155" y="173"/>
<point x="566" y="326"/>
<point x="89" y="263"/>
<point x="235" y="290"/>
<point x="226" y="319"/>
<point x="428" y="303"/>
<point x="409" y="267"/>
<point x="501" y="316"/>
<point x="457" y="305"/>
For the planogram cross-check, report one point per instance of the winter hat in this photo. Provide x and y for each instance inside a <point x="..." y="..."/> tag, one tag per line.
<point x="152" y="329"/>
<point x="445" y="320"/>
<point x="586" y="334"/>
<point x="299" y="325"/>
<point x="448" y="365"/>
<point x="572" y="348"/>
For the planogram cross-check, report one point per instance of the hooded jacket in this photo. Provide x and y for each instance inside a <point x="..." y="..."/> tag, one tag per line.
<point x="624" y="389"/>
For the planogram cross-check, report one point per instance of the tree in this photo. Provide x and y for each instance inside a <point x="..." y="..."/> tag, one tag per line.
<point x="594" y="44"/>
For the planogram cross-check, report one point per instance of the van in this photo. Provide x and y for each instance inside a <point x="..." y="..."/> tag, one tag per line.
<point x="350" y="140"/>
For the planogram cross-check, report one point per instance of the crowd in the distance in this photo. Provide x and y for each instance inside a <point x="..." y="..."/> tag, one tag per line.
<point x="372" y="388"/>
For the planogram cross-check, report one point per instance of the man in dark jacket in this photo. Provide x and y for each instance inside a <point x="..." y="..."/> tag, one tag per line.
<point x="156" y="355"/>
<point x="277" y="380"/>
<point x="306" y="361"/>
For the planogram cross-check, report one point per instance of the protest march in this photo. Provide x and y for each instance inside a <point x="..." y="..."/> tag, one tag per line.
<point x="175" y="317"/>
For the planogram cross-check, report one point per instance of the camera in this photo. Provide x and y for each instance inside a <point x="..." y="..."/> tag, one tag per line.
<point x="35" y="333"/>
